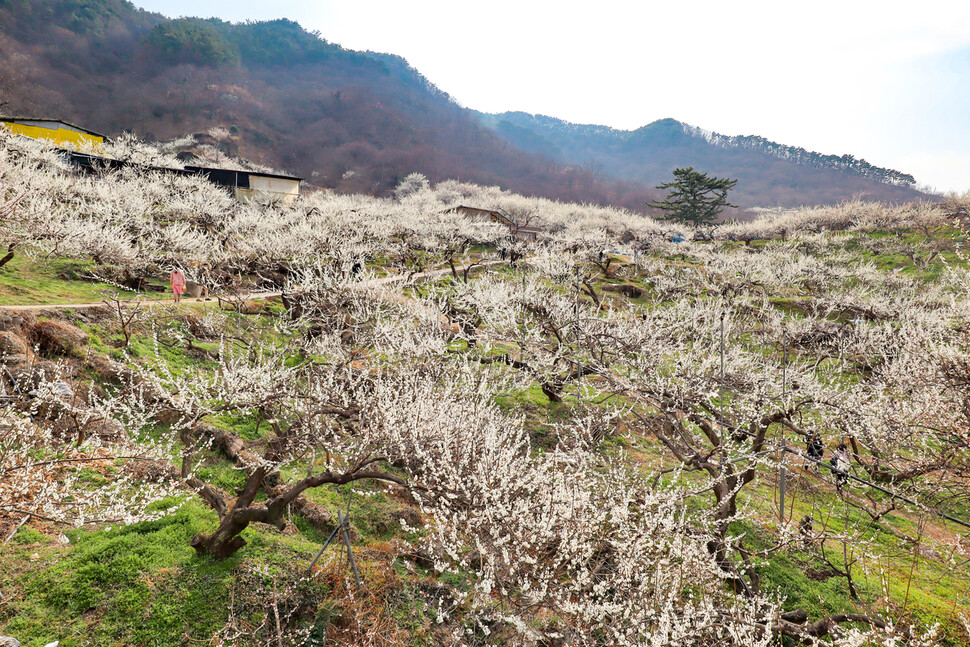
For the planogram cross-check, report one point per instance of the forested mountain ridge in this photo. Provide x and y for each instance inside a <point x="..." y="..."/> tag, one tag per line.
<point x="846" y="163"/>
<point x="769" y="173"/>
<point x="347" y="120"/>
<point x="357" y="121"/>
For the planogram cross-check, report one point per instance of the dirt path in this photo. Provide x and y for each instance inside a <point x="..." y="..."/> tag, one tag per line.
<point x="251" y="296"/>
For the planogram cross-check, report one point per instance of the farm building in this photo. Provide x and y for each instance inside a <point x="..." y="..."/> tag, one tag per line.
<point x="526" y="232"/>
<point x="519" y="231"/>
<point x="250" y="185"/>
<point x="60" y="132"/>
<point x="244" y="185"/>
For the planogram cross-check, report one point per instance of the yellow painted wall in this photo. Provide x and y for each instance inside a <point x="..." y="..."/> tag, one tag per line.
<point x="59" y="135"/>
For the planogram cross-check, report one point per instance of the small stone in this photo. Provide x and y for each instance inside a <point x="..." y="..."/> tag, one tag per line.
<point x="7" y="641"/>
<point x="34" y="557"/>
<point x="62" y="539"/>
<point x="408" y="515"/>
<point x="62" y="390"/>
<point x="13" y="349"/>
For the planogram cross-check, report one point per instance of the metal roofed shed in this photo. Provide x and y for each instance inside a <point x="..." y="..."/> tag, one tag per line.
<point x="250" y="185"/>
<point x="245" y="185"/>
<point x="526" y="232"/>
<point x="92" y="163"/>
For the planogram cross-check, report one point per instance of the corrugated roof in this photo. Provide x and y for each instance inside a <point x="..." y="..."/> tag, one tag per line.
<point x="55" y="121"/>
<point x="221" y="177"/>
<point x="211" y="170"/>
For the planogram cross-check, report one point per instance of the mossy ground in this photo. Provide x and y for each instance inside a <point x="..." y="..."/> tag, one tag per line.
<point x="25" y="280"/>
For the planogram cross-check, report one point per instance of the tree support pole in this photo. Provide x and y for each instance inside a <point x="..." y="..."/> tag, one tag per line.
<point x="782" y="473"/>
<point x="322" y="548"/>
<point x="344" y="530"/>
<point x="350" y="551"/>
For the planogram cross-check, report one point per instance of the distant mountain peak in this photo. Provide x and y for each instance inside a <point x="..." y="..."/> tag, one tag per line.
<point x="770" y="173"/>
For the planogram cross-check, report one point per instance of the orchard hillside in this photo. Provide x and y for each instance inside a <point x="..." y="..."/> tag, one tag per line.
<point x="619" y="434"/>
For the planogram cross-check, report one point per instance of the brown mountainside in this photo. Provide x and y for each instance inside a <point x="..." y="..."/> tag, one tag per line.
<point x="346" y="120"/>
<point x="352" y="121"/>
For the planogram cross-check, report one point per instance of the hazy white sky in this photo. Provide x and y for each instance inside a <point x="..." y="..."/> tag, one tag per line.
<point x="888" y="81"/>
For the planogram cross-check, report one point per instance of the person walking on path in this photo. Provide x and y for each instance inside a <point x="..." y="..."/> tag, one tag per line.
<point x="205" y="277"/>
<point x="177" y="279"/>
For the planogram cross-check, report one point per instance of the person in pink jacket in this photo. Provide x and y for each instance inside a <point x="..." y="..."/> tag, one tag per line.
<point x="178" y="283"/>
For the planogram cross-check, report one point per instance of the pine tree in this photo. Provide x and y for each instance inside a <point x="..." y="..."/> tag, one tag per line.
<point x="694" y="198"/>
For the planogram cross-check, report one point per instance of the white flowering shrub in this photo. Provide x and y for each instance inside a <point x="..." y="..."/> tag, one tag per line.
<point x="69" y="461"/>
<point x="710" y="350"/>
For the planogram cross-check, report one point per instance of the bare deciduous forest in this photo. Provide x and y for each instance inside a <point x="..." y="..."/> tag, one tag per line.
<point x="353" y="121"/>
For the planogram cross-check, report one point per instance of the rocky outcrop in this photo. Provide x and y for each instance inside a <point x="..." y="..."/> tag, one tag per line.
<point x="14" y="349"/>
<point x="626" y="290"/>
<point x="10" y="321"/>
<point x="58" y="337"/>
